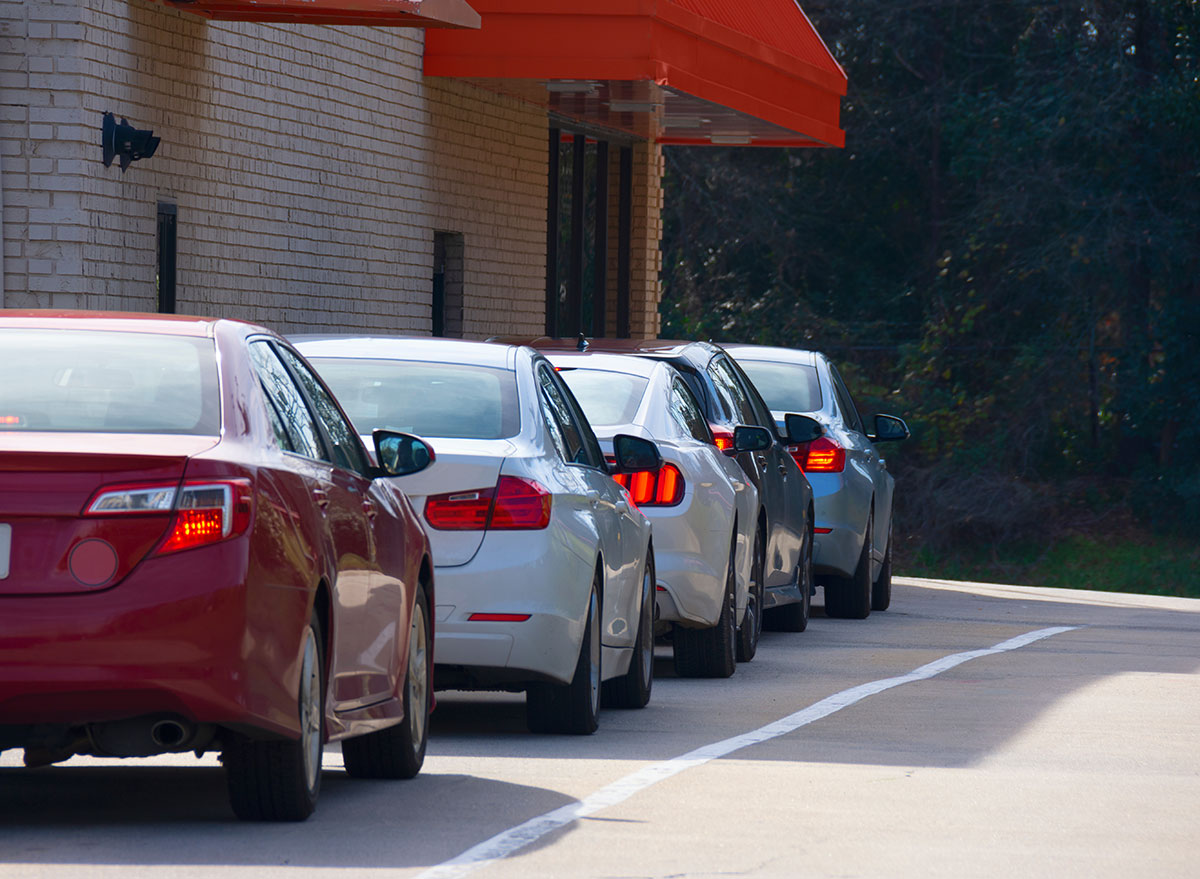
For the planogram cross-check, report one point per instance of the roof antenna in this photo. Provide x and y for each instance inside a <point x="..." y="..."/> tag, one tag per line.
<point x="582" y="344"/>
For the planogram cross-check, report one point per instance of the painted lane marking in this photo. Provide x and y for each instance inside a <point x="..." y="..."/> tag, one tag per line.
<point x="505" y="843"/>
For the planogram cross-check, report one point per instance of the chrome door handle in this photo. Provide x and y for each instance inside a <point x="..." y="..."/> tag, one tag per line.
<point x="370" y="509"/>
<point x="320" y="497"/>
<point x="593" y="498"/>
<point x="762" y="461"/>
<point x="783" y="471"/>
<point x="622" y="507"/>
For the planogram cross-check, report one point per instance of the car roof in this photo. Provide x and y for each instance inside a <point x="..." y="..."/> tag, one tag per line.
<point x="112" y="321"/>
<point x="437" y="350"/>
<point x="622" y="363"/>
<point x="645" y="347"/>
<point x="772" y="353"/>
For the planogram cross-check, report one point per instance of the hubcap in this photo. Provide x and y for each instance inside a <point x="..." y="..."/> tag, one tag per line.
<point x="310" y="710"/>
<point x="418" y="677"/>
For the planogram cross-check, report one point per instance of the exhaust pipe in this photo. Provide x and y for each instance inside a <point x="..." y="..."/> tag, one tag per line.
<point x="145" y="736"/>
<point x="169" y="733"/>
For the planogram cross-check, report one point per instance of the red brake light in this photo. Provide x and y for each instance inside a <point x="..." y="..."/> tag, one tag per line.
<point x="520" y="504"/>
<point x="723" y="439"/>
<point x="657" y="488"/>
<point x="208" y="512"/>
<point x="824" y="456"/>
<point x="514" y="504"/>
<point x="499" y="617"/>
<point x="459" y="510"/>
<point x="204" y="511"/>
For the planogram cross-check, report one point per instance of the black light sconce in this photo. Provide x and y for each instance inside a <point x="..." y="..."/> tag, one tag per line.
<point x="127" y="144"/>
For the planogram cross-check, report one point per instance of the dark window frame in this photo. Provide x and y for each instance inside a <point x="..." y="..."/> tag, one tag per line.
<point x="167" y="268"/>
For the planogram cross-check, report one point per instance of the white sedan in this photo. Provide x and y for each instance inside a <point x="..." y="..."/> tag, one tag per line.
<point x="544" y="568"/>
<point x="702" y="506"/>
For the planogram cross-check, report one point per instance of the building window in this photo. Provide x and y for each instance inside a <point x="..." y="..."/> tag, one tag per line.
<point x="579" y="276"/>
<point x="165" y="279"/>
<point x="448" y="284"/>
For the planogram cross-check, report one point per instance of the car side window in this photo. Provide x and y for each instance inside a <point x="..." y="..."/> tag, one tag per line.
<point x="699" y="388"/>
<point x="293" y="423"/>
<point x="726" y="381"/>
<point x="845" y="401"/>
<point x="686" y="412"/>
<point x="762" y="412"/>
<point x="347" y="450"/>
<point x="558" y="416"/>
<point x="579" y="442"/>
<point x="593" y="455"/>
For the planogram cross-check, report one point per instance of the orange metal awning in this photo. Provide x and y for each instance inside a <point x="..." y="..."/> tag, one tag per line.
<point x="394" y="13"/>
<point x="672" y="71"/>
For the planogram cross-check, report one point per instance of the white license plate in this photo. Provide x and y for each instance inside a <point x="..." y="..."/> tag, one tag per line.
<point x="5" y="549"/>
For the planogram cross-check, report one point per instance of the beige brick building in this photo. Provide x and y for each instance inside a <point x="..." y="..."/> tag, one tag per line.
<point x="358" y="170"/>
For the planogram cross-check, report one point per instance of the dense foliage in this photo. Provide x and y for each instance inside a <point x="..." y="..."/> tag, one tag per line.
<point x="1007" y="251"/>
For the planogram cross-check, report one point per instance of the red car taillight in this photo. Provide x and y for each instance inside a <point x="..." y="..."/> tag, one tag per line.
<point x="723" y="439"/>
<point x="520" y="504"/>
<point x="653" y="488"/>
<point x="204" y="511"/>
<point x="822" y="455"/>
<point x="514" y="504"/>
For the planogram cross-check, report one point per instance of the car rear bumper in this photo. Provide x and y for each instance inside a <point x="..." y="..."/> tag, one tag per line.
<point x="837" y="551"/>
<point x="517" y="573"/>
<point x="165" y="640"/>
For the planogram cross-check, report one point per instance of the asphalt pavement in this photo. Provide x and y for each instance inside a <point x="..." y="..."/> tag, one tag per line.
<point x="969" y="731"/>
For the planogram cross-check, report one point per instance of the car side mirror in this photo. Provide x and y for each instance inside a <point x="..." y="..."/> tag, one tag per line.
<point x="751" y="438"/>
<point x="802" y="428"/>
<point x="401" y="454"/>
<point x="889" y="428"/>
<point x="635" y="454"/>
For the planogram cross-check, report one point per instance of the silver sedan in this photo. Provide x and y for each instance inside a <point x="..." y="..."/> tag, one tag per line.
<point x="852" y="489"/>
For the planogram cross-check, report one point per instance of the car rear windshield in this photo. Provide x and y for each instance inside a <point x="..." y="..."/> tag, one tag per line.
<point x="454" y="400"/>
<point x="606" y="397"/>
<point x="786" y="387"/>
<point x="83" y="381"/>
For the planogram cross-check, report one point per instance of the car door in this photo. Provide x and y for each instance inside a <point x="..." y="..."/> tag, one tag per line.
<point x="615" y="520"/>
<point x="363" y="657"/>
<point x="714" y="498"/>
<point x="866" y="471"/>
<point x="772" y="475"/>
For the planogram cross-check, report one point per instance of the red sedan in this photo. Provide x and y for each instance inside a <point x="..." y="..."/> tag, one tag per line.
<point x="197" y="554"/>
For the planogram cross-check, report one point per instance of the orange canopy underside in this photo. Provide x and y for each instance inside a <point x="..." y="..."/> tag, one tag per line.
<point x="394" y="13"/>
<point x="673" y="71"/>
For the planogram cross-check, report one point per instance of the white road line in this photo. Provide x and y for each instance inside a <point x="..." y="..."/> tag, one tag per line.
<point x="504" y="844"/>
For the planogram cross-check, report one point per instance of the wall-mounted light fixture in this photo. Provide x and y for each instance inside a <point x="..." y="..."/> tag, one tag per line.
<point x="125" y="143"/>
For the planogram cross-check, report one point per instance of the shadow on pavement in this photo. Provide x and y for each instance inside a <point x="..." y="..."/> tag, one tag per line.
<point x="178" y="815"/>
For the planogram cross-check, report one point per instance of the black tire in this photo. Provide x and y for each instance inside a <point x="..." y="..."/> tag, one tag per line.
<point x="752" y="622"/>
<point x="711" y="652"/>
<point x="881" y="591"/>
<point x="572" y="708"/>
<point x="399" y="751"/>
<point x="632" y="689"/>
<point x="281" y="780"/>
<point x="794" y="617"/>
<point x="850" y="597"/>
